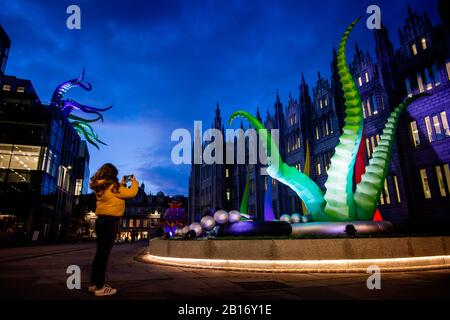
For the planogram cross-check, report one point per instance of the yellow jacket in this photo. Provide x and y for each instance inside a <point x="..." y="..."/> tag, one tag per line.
<point x="110" y="203"/>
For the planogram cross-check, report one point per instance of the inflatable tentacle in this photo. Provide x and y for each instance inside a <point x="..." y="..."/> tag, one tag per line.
<point x="77" y="118"/>
<point x="339" y="195"/>
<point x="368" y="191"/>
<point x="301" y="184"/>
<point x="86" y="135"/>
<point x="61" y="90"/>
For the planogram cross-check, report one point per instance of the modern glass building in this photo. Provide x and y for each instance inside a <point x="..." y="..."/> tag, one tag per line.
<point x="43" y="164"/>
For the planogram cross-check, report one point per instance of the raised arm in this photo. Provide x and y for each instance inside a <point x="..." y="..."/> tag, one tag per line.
<point x="127" y="193"/>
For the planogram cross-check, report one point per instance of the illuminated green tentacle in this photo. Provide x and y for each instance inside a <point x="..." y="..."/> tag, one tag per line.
<point x="368" y="191"/>
<point x="304" y="187"/>
<point x="80" y="127"/>
<point x="339" y="195"/>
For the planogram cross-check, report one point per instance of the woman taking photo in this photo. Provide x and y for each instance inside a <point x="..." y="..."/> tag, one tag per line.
<point x="110" y="206"/>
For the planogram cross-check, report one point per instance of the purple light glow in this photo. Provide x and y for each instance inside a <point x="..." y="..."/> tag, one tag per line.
<point x="268" y="210"/>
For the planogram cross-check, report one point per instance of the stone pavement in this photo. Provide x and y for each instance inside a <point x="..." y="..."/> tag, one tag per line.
<point x="39" y="272"/>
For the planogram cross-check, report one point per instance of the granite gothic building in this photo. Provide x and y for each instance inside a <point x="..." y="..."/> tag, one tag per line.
<point x="417" y="188"/>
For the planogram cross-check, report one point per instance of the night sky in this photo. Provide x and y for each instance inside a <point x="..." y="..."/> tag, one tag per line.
<point x="164" y="64"/>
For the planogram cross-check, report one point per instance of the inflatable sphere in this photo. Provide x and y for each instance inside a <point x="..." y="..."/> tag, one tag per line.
<point x="178" y="232"/>
<point x="196" y="227"/>
<point x="296" y="218"/>
<point x="285" y="218"/>
<point x="221" y="216"/>
<point x="234" y="216"/>
<point x="207" y="223"/>
<point x="185" y="229"/>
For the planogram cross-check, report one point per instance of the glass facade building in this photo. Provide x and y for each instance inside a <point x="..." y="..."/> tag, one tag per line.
<point x="43" y="165"/>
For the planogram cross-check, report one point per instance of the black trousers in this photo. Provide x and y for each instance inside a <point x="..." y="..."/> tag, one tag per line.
<point x="106" y="228"/>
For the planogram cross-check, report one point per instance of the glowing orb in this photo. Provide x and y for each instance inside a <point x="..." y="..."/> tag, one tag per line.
<point x="234" y="216"/>
<point x="296" y="218"/>
<point x="207" y="223"/>
<point x="196" y="227"/>
<point x="221" y="216"/>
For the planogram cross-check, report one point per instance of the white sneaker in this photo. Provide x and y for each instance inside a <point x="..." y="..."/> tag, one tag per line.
<point x="93" y="288"/>
<point x="105" y="291"/>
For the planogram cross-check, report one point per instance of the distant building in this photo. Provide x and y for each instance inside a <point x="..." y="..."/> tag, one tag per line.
<point x="41" y="160"/>
<point x="144" y="213"/>
<point x="417" y="188"/>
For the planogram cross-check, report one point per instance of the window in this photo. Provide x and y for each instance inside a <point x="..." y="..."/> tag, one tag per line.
<point x="326" y="127"/>
<point x="386" y="192"/>
<point x="360" y="81"/>
<point x="228" y="195"/>
<point x="6" y="87"/>
<point x="227" y="173"/>
<point x="130" y="223"/>
<point x="424" y="43"/>
<point x="20" y="89"/>
<point x="78" y="186"/>
<point x="397" y="189"/>
<point x="138" y="223"/>
<point x="429" y="129"/>
<point x="414" y="49"/>
<point x="318" y="167"/>
<point x="374" y="105"/>
<point x="317" y="133"/>
<point x="436" y="78"/>
<point x="420" y="82"/>
<point x="326" y="101"/>
<point x="447" y="175"/>
<point x="369" y="109"/>
<point x="447" y="67"/>
<point x="440" y="181"/>
<point x="414" y="133"/>
<point x="368" y="148"/>
<point x="445" y="124"/>
<point x="425" y="185"/>
<point x="363" y="109"/>
<point x="367" y="76"/>
<point x="437" y="128"/>
<point x="320" y="103"/>
<point x="298" y="167"/>
<point x="408" y="87"/>
<point x="428" y="79"/>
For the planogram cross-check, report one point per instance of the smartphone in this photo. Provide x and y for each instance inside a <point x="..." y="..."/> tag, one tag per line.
<point x="128" y="178"/>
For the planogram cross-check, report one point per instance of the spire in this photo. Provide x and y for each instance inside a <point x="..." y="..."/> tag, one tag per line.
<point x="303" y="80"/>
<point x="278" y="97"/>
<point x="318" y="75"/>
<point x="258" y="116"/>
<point x="242" y="125"/>
<point x="410" y="12"/>
<point x="217" y="119"/>
<point x="334" y="53"/>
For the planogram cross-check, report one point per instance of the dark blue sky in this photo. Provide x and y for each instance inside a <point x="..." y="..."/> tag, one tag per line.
<point x="164" y="64"/>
